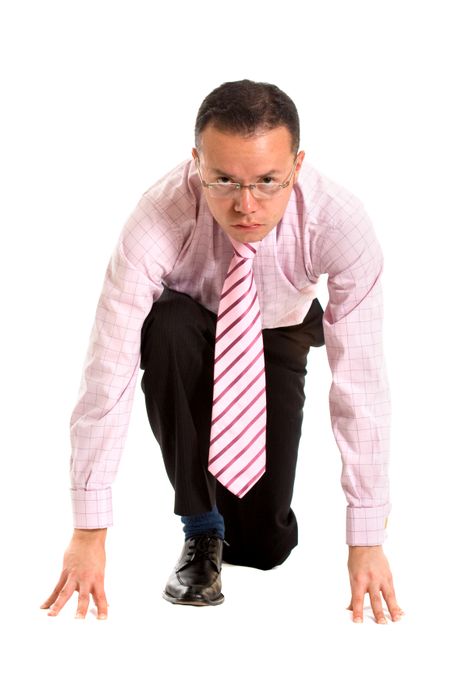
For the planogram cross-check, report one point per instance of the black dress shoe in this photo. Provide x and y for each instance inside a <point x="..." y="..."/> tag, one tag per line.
<point x="196" y="580"/>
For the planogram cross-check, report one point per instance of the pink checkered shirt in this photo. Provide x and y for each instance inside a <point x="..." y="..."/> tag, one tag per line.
<point x="172" y="239"/>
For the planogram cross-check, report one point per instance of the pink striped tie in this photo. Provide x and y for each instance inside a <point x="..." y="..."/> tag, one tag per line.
<point x="237" y="454"/>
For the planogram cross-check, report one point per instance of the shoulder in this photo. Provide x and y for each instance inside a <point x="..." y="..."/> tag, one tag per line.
<point x="325" y="201"/>
<point x="338" y="232"/>
<point x="176" y="193"/>
<point x="166" y="211"/>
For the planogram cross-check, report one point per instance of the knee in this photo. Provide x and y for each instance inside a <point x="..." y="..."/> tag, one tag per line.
<point x="172" y="310"/>
<point x="170" y="316"/>
<point x="176" y="323"/>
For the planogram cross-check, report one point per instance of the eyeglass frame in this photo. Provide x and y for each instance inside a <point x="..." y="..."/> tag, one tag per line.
<point x="238" y="185"/>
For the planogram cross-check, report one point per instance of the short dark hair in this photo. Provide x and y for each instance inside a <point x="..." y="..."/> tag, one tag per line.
<point x="246" y="106"/>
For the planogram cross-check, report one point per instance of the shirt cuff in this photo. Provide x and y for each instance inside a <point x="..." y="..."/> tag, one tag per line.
<point x="366" y="526"/>
<point x="92" y="509"/>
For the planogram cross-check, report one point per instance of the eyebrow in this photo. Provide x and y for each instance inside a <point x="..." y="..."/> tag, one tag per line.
<point x="263" y="175"/>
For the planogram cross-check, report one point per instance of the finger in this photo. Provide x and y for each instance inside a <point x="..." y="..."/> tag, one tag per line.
<point x="101" y="603"/>
<point x="83" y="602"/>
<point x="394" y="609"/>
<point x="64" y="595"/>
<point x="377" y="607"/>
<point x="55" y="593"/>
<point x="358" y="605"/>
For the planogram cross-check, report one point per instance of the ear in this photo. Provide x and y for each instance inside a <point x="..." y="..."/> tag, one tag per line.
<point x="299" y="161"/>
<point x="194" y="153"/>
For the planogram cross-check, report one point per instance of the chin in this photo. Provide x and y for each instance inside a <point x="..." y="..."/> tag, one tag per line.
<point x="247" y="236"/>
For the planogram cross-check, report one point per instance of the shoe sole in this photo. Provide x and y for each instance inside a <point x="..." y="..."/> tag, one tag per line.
<point x="200" y="602"/>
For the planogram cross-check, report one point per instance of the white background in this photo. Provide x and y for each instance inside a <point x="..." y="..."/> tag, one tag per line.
<point x="98" y="101"/>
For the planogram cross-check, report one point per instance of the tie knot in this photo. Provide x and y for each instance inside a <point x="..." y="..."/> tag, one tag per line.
<point x="247" y="250"/>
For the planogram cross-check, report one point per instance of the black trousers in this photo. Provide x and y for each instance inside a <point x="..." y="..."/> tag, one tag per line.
<point x="177" y="356"/>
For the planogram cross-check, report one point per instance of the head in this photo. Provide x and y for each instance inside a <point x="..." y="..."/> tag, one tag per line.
<point x="248" y="132"/>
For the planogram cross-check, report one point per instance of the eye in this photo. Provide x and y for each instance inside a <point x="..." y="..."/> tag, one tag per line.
<point x="268" y="180"/>
<point x="223" y="180"/>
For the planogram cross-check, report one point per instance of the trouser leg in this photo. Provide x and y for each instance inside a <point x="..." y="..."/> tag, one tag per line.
<point x="261" y="528"/>
<point x="177" y="357"/>
<point x="177" y="353"/>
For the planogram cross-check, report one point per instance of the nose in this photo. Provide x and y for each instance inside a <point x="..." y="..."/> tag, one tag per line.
<point x="245" y="201"/>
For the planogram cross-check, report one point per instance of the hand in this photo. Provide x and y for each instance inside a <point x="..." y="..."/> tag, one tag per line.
<point x="83" y="571"/>
<point x="369" y="572"/>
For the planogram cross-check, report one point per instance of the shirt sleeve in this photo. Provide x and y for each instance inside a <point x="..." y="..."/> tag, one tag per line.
<point x="146" y="250"/>
<point x="359" y="397"/>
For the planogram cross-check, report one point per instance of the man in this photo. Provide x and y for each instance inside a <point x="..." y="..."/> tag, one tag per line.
<point x="211" y="291"/>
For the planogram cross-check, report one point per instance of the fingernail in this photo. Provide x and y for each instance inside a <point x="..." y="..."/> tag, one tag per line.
<point x="382" y="621"/>
<point x="358" y="620"/>
<point x="79" y="615"/>
<point x="102" y="616"/>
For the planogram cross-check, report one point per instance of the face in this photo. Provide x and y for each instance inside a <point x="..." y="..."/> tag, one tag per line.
<point x="247" y="160"/>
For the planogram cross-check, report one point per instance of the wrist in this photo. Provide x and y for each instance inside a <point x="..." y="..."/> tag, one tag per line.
<point x="359" y="548"/>
<point x="89" y="533"/>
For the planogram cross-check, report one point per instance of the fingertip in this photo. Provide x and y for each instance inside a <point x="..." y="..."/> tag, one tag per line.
<point x="397" y="615"/>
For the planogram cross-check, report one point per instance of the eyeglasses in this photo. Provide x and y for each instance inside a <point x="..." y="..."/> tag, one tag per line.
<point x="260" y="190"/>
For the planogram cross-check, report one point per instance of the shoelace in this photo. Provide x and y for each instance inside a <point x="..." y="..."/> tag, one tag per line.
<point x="202" y="547"/>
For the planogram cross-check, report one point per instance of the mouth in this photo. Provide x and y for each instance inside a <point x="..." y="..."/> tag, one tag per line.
<point x="243" y="225"/>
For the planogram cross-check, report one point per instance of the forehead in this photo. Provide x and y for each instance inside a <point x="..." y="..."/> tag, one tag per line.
<point x="238" y="155"/>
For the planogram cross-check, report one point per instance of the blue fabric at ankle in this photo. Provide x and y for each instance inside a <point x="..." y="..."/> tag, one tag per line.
<point x="203" y="523"/>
